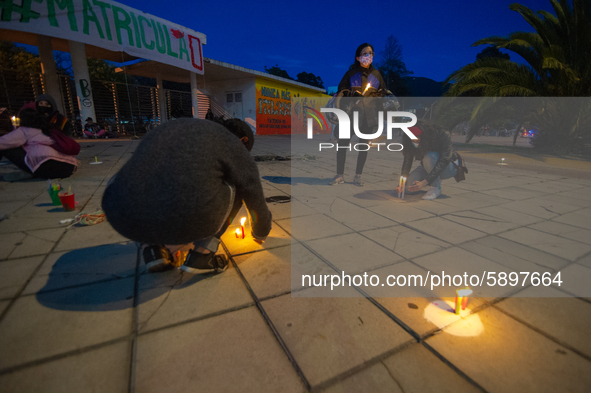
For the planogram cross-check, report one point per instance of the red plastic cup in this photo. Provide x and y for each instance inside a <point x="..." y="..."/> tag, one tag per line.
<point x="68" y="201"/>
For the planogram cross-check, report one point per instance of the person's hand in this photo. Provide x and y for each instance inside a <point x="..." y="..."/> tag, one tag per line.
<point x="417" y="186"/>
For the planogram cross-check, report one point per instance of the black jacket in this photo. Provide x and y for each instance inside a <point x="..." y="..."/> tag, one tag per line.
<point x="356" y="80"/>
<point x="357" y="77"/>
<point x="433" y="138"/>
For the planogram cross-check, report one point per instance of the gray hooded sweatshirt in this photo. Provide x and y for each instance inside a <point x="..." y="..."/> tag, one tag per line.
<point x="174" y="189"/>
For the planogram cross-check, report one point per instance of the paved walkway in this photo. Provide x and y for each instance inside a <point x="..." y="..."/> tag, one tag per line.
<point x="78" y="313"/>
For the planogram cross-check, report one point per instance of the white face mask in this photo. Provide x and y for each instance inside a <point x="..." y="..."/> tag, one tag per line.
<point x="366" y="60"/>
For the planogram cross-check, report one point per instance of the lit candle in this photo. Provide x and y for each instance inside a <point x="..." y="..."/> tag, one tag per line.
<point x="462" y="299"/>
<point x="502" y="160"/>
<point x="400" y="187"/>
<point x="366" y="87"/>
<point x="240" y="231"/>
<point x="403" y="186"/>
<point x="458" y="303"/>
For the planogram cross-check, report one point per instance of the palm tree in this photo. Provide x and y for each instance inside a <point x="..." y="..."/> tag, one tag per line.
<point x="558" y="64"/>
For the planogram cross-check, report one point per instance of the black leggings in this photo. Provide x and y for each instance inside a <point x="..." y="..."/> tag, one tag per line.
<point x="50" y="169"/>
<point x="343" y="145"/>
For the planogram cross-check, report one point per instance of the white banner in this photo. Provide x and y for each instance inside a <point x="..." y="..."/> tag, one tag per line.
<point x="110" y="25"/>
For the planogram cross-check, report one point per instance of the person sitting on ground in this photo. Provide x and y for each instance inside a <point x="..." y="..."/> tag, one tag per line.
<point x="184" y="184"/>
<point x="433" y="147"/>
<point x="29" y="148"/>
<point x="92" y="129"/>
<point x="45" y="104"/>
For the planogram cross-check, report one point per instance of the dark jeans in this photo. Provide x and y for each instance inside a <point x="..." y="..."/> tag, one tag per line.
<point x="343" y="146"/>
<point x="50" y="169"/>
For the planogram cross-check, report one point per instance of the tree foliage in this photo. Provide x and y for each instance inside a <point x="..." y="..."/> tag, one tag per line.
<point x="17" y="58"/>
<point x="558" y="64"/>
<point x="492" y="51"/>
<point x="310" y="79"/>
<point x="393" y="68"/>
<point x="275" y="70"/>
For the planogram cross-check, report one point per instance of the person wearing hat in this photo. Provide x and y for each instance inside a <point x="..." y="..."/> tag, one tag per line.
<point x="433" y="148"/>
<point x="45" y="104"/>
<point x="184" y="184"/>
<point x="92" y="130"/>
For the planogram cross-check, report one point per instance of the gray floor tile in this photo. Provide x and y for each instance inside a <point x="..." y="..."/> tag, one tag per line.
<point x="15" y="273"/>
<point x="356" y="217"/>
<point x="353" y="253"/>
<point x="509" y="357"/>
<point x="85" y="265"/>
<point x="446" y="230"/>
<point x="552" y="244"/>
<point x="405" y="241"/>
<point x="567" y="231"/>
<point x="280" y="270"/>
<point x="575" y="280"/>
<point x="223" y="353"/>
<point x="76" y="318"/>
<point x="575" y="219"/>
<point x="101" y="370"/>
<point x="400" y="212"/>
<point x="37" y="242"/>
<point x="315" y="227"/>
<point x="10" y="241"/>
<point x="545" y="209"/>
<point x="375" y="379"/>
<point x="549" y="315"/>
<point x="456" y="261"/>
<point x="89" y="236"/>
<point x="416" y="369"/>
<point x="328" y="336"/>
<point x="172" y="297"/>
<point x="515" y="256"/>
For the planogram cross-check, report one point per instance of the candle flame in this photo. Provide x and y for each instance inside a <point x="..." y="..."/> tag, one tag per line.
<point x="237" y="231"/>
<point x="242" y="220"/>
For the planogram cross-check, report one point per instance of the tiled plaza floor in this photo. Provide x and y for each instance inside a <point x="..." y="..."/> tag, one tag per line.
<point x="78" y="313"/>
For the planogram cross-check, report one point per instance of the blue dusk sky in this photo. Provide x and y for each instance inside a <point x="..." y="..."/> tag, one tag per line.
<point x="321" y="37"/>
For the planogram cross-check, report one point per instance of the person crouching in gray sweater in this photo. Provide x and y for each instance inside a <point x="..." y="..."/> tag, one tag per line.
<point x="184" y="184"/>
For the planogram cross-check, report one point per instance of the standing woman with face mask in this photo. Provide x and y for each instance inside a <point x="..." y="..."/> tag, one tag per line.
<point x="356" y="82"/>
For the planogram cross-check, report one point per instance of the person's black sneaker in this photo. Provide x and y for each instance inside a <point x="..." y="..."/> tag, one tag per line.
<point x="197" y="262"/>
<point x="158" y="259"/>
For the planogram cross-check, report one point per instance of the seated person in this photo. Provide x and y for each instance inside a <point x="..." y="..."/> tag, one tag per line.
<point x="29" y="148"/>
<point x="45" y="104"/>
<point x="184" y="184"/>
<point x="433" y="147"/>
<point x="92" y="130"/>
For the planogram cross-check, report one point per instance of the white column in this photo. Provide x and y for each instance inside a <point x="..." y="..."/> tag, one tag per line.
<point x="194" y="91"/>
<point x="82" y="79"/>
<point x="52" y="83"/>
<point x="161" y="101"/>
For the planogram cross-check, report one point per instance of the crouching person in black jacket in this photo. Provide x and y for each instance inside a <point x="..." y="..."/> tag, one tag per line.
<point x="434" y="149"/>
<point x="184" y="185"/>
